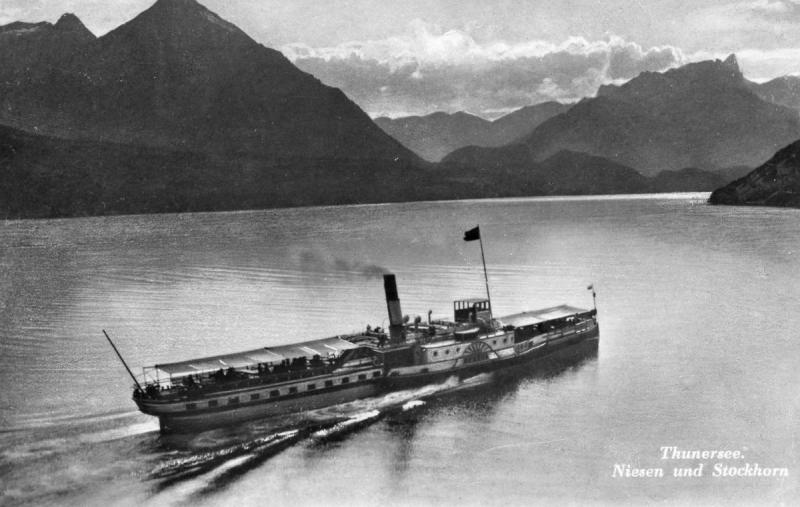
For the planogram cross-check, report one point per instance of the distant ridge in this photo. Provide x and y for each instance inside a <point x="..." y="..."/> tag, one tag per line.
<point x="700" y="115"/>
<point x="435" y="135"/>
<point x="784" y="90"/>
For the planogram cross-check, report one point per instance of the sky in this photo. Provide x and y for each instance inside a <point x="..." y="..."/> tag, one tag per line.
<point x="397" y="58"/>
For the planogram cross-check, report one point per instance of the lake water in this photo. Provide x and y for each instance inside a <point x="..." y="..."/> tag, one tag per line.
<point x="699" y="349"/>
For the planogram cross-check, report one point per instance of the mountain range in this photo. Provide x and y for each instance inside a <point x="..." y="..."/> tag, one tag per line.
<point x="702" y="115"/>
<point x="435" y="135"/>
<point x="179" y="110"/>
<point x="179" y="77"/>
<point x="222" y="121"/>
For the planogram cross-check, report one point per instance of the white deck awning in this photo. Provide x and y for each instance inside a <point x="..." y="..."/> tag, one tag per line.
<point x="323" y="348"/>
<point x="538" y="316"/>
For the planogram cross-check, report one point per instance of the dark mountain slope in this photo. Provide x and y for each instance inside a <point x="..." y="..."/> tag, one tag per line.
<point x="180" y="77"/>
<point x="29" y="51"/>
<point x="42" y="177"/>
<point x="784" y="91"/>
<point x="775" y="183"/>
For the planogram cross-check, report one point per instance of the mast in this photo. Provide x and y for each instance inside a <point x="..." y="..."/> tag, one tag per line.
<point x="486" y="279"/>
<point x="472" y="235"/>
<point x="138" y="386"/>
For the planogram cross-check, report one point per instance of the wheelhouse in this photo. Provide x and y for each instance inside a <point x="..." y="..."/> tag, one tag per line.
<point x="470" y="310"/>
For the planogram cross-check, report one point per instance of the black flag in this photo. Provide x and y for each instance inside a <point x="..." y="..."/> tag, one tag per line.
<point x="472" y="234"/>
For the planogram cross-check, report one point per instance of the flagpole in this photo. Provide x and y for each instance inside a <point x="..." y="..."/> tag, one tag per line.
<point x="486" y="277"/>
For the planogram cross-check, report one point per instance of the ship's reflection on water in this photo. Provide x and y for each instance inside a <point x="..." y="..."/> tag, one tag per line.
<point x="194" y="466"/>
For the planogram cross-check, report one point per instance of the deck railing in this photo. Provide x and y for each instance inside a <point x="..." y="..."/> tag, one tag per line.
<point x="176" y="388"/>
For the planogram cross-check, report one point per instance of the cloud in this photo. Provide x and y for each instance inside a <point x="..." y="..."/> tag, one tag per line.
<point x="761" y="24"/>
<point x="428" y="69"/>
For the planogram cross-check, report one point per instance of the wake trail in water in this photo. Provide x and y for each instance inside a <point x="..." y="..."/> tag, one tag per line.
<point x="204" y="469"/>
<point x="197" y="475"/>
<point x="48" y="419"/>
<point x="40" y="437"/>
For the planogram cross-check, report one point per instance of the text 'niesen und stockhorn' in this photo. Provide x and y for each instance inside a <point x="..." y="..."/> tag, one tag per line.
<point x="713" y="463"/>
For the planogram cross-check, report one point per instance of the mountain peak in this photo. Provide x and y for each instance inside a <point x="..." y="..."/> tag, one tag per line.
<point x="181" y="23"/>
<point x="732" y="62"/>
<point x="177" y="4"/>
<point x="70" y="23"/>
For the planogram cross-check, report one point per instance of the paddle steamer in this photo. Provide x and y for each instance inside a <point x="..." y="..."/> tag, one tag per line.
<point x="273" y="381"/>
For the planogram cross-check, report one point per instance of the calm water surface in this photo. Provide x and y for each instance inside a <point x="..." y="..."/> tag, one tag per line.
<point x="699" y="349"/>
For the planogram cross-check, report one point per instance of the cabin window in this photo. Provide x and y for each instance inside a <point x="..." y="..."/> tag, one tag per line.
<point x="274" y="394"/>
<point x="311" y="387"/>
<point x="362" y="377"/>
<point x="505" y="340"/>
<point x="233" y="401"/>
<point x="329" y="383"/>
<point x="292" y="390"/>
<point x="345" y="380"/>
<point x="213" y="403"/>
<point x="376" y="374"/>
<point x="435" y="353"/>
<point x="191" y="406"/>
<point x="447" y="351"/>
<point x="255" y="396"/>
<point x="494" y="342"/>
<point x="458" y="349"/>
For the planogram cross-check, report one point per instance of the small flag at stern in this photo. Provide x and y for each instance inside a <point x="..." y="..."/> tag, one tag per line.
<point x="472" y="234"/>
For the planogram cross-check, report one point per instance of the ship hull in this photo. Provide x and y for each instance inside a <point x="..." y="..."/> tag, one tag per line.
<point x="231" y="416"/>
<point x="261" y="401"/>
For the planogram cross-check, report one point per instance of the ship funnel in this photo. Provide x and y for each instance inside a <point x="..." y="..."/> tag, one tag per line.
<point x="393" y="305"/>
